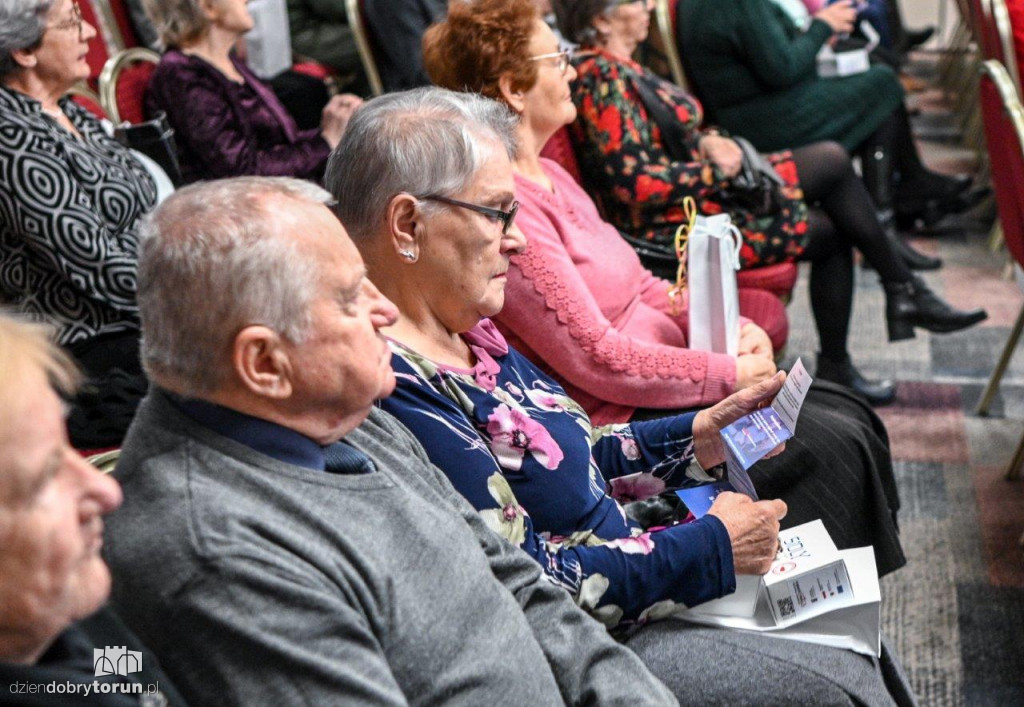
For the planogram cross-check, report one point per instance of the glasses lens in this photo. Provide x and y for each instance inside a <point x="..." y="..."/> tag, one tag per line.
<point x="510" y="218"/>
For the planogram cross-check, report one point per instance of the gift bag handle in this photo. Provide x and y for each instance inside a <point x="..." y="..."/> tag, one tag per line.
<point x="682" y="240"/>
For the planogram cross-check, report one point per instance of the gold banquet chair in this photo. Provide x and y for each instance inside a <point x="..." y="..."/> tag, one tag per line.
<point x="364" y="43"/>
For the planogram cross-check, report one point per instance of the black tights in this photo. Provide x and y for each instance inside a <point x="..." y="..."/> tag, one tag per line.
<point x="842" y="217"/>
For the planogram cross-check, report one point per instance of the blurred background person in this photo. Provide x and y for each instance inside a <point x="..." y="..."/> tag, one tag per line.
<point x="53" y="581"/>
<point x="70" y="201"/>
<point x="226" y="121"/>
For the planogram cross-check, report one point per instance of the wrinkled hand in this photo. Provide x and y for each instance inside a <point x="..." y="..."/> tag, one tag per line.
<point x="754" y="340"/>
<point x="722" y="153"/>
<point x="336" y="115"/>
<point x="753" y="528"/>
<point x="752" y="368"/>
<point x="708" y="446"/>
<point x="839" y="16"/>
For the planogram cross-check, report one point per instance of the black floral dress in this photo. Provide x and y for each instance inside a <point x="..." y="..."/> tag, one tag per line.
<point x="641" y="188"/>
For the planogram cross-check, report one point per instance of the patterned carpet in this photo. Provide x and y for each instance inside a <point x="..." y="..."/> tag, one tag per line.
<point x="956" y="612"/>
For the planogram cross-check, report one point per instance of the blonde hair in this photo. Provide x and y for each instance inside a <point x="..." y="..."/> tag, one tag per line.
<point x="25" y="345"/>
<point x="179" y="23"/>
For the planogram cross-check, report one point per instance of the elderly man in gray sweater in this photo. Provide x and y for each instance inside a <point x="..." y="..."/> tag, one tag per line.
<point x="284" y="542"/>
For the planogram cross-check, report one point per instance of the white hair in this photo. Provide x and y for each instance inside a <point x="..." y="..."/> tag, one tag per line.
<point x="212" y="262"/>
<point x="427" y="141"/>
<point x="22" y="23"/>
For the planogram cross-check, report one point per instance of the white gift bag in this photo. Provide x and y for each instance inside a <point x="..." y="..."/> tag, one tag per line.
<point x="712" y="257"/>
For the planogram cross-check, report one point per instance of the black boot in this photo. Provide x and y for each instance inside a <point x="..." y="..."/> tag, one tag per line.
<point x="845" y="373"/>
<point x="911" y="304"/>
<point x="915" y="259"/>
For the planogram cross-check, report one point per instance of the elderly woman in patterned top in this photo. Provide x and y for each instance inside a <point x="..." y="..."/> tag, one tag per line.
<point x="70" y="199"/>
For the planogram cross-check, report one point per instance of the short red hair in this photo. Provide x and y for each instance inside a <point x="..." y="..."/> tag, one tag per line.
<point x="479" y="42"/>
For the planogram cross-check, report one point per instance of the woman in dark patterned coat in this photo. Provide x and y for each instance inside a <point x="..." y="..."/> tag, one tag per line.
<point x="642" y="153"/>
<point x="70" y="201"/>
<point x="228" y="123"/>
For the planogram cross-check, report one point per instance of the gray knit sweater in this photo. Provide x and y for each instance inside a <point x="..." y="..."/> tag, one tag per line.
<point x="259" y="582"/>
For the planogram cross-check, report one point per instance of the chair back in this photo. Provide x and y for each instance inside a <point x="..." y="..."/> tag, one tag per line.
<point x="364" y="43"/>
<point x="120" y="21"/>
<point x="123" y="84"/>
<point x="84" y="96"/>
<point x="1004" y="34"/>
<point x="1003" y="120"/>
<point x="665" y="15"/>
<point x="98" y="49"/>
<point x="559" y="149"/>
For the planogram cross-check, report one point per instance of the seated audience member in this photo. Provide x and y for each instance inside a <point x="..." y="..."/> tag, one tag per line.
<point x="756" y="71"/>
<point x="70" y="198"/>
<point x="397" y="27"/>
<point x="450" y="276"/>
<point x="283" y="542"/>
<point x="53" y="581"/>
<point x="443" y="293"/>
<point x="581" y="306"/>
<point x="644" y="186"/>
<point x="434" y="220"/>
<point x="226" y="121"/>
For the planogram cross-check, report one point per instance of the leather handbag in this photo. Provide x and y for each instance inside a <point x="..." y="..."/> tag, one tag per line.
<point x="155" y="139"/>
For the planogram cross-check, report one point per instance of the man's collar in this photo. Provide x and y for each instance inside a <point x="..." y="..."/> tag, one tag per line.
<point x="269" y="438"/>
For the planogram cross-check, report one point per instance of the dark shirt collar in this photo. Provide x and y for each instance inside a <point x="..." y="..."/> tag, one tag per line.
<point x="274" y="440"/>
<point x="265" y="437"/>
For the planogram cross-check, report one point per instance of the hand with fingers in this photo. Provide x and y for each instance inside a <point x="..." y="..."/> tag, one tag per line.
<point x="336" y="115"/>
<point x="708" y="446"/>
<point x="753" y="528"/>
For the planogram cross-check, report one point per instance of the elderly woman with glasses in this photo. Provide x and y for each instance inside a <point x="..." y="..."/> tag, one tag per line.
<point x="227" y="122"/>
<point x="425" y="187"/>
<point x="581" y="306"/>
<point x="70" y="201"/>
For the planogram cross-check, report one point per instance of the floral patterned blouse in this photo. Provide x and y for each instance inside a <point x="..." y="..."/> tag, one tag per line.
<point x="525" y="455"/>
<point x="641" y="188"/>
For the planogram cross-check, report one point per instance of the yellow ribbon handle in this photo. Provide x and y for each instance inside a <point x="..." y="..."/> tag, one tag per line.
<point x="682" y="239"/>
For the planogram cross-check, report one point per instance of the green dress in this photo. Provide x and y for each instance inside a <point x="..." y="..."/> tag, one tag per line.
<point x="755" y="72"/>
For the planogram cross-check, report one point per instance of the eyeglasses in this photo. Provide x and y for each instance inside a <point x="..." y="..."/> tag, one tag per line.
<point x="563" y="58"/>
<point x="74" y="22"/>
<point x="506" y="217"/>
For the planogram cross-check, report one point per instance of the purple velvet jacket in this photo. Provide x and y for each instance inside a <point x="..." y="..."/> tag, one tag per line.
<point x="228" y="129"/>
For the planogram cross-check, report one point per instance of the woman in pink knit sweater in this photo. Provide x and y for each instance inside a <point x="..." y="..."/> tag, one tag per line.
<point x="582" y="307"/>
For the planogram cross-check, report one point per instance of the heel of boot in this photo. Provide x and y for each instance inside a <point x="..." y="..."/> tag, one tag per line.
<point x="900" y="329"/>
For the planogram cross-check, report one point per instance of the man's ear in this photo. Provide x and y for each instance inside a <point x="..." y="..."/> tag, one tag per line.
<point x="261" y="363"/>
<point x="405" y="225"/>
<point x="514" y="99"/>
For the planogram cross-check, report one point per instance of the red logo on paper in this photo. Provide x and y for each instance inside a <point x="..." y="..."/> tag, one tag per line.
<point x="784" y="567"/>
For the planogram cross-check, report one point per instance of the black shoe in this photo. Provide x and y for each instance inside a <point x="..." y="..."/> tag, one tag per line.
<point x="915" y="259"/>
<point x="930" y="211"/>
<point x="913" y="38"/>
<point x="845" y="373"/>
<point x="913" y="304"/>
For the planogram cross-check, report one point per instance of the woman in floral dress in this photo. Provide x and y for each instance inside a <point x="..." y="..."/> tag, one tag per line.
<point x="424" y="185"/>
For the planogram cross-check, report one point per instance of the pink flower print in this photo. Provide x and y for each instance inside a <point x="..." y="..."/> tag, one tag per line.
<point x="636" y="487"/>
<point x="630" y="449"/>
<point x="640" y="545"/>
<point x="509" y="519"/>
<point x="513" y="434"/>
<point x="545" y="400"/>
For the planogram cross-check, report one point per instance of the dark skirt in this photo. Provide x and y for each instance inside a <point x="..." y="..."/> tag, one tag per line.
<point x="837" y="468"/>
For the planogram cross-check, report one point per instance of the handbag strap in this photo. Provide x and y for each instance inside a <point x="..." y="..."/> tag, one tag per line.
<point x="674" y="135"/>
<point x="682" y="240"/>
